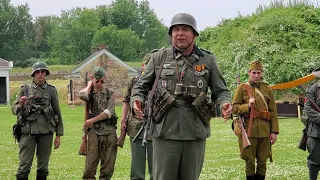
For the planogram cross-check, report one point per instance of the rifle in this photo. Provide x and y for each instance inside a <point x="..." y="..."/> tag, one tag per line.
<point x="20" y="117"/>
<point x="148" y="106"/>
<point x="146" y="124"/>
<point x="245" y="141"/>
<point x="303" y="141"/>
<point x="122" y="137"/>
<point x="83" y="145"/>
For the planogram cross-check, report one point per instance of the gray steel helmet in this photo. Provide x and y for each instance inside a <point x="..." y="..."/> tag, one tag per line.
<point x="186" y="19"/>
<point x="39" y="66"/>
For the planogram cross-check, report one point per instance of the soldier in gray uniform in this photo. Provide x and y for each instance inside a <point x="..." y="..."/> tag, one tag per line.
<point x="181" y="113"/>
<point x="139" y="154"/>
<point x="313" y="130"/>
<point x="39" y="104"/>
<point x="101" y="127"/>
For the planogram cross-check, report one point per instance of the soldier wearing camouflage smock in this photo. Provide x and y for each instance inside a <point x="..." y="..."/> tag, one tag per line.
<point x="256" y="95"/>
<point x="101" y="127"/>
<point x="313" y="129"/>
<point x="180" y="127"/>
<point x="42" y="118"/>
<point x="139" y="153"/>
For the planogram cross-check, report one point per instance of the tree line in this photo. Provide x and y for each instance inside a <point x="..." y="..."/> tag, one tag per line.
<point x="128" y="28"/>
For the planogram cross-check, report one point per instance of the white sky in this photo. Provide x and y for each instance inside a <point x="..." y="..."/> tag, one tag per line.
<point x="206" y="12"/>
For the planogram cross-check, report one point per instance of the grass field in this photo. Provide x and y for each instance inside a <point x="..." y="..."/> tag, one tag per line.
<point x="222" y="159"/>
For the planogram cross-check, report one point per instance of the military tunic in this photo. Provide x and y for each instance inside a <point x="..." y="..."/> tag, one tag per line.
<point x="313" y="142"/>
<point x="37" y="131"/>
<point x="261" y="129"/>
<point x="138" y="152"/>
<point x="102" y="135"/>
<point x="179" y="138"/>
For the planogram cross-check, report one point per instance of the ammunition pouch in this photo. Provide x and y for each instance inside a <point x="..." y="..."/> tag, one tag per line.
<point x="51" y="116"/>
<point x="163" y="101"/>
<point x="16" y="129"/>
<point x="265" y="115"/>
<point x="203" y="107"/>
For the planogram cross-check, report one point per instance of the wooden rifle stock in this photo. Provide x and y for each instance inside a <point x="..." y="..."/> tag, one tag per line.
<point x="245" y="140"/>
<point x="123" y="134"/>
<point x="83" y="145"/>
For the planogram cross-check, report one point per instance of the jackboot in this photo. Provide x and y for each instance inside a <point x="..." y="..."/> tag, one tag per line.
<point x="313" y="175"/>
<point x="250" y="177"/>
<point x="41" y="178"/>
<point x="259" y="177"/>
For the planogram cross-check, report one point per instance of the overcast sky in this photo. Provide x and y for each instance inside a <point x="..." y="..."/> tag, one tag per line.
<point x="206" y="12"/>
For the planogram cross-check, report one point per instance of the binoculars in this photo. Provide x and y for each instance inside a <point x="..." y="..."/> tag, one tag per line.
<point x="185" y="90"/>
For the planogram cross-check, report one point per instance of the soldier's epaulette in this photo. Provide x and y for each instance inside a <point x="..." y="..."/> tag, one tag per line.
<point x="155" y="50"/>
<point x="22" y="85"/>
<point x="207" y="51"/>
<point x="51" y="86"/>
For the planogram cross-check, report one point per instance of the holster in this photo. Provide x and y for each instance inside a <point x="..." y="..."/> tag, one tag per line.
<point x="163" y="101"/>
<point x="203" y="107"/>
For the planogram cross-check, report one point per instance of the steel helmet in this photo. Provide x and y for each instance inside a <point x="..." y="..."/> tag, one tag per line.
<point x="186" y="19"/>
<point x="39" y="66"/>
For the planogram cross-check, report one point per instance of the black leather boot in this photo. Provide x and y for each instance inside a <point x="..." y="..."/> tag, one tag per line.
<point x="313" y="175"/>
<point x="250" y="177"/>
<point x="41" y="178"/>
<point x="259" y="177"/>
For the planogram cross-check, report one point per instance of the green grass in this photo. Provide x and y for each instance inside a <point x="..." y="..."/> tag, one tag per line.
<point x="222" y="159"/>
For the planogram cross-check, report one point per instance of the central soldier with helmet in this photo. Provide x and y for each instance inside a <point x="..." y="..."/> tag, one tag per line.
<point x="181" y="123"/>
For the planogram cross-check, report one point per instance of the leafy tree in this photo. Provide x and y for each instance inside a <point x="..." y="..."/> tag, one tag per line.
<point x="42" y="28"/>
<point x="16" y="33"/>
<point x="123" y="43"/>
<point x="71" y="37"/>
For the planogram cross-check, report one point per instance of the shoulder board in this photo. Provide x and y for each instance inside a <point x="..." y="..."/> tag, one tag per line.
<point x="51" y="85"/>
<point x="207" y="51"/>
<point x="155" y="50"/>
<point x="264" y="83"/>
<point x="22" y="85"/>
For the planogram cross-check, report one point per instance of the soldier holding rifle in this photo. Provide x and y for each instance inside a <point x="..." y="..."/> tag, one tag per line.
<point x="101" y="127"/>
<point x="312" y="110"/>
<point x="178" y="79"/>
<point x="255" y="101"/>
<point x="131" y="124"/>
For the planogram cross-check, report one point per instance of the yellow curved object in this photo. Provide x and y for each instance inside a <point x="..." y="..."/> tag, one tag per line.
<point x="293" y="83"/>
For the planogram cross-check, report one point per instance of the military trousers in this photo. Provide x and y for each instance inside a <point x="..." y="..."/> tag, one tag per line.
<point x="28" y="145"/>
<point x="177" y="159"/>
<point x="313" y="159"/>
<point x="103" y="149"/>
<point x="139" y="155"/>
<point x="259" y="150"/>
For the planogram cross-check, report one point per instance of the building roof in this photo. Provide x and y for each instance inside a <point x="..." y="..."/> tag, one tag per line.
<point x="5" y="64"/>
<point x="97" y="54"/>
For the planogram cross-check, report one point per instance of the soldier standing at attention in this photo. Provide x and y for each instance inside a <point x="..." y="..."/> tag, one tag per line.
<point x="39" y="100"/>
<point x="313" y="129"/>
<point x="139" y="154"/>
<point x="101" y="127"/>
<point x="256" y="96"/>
<point x="179" y="127"/>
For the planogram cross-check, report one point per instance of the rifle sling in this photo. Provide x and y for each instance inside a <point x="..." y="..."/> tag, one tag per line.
<point x="247" y="87"/>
